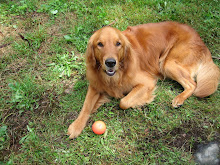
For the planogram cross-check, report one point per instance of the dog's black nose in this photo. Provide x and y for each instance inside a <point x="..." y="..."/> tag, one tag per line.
<point x="110" y="62"/>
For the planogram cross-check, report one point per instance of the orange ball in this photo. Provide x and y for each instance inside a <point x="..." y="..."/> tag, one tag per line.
<point x="99" y="127"/>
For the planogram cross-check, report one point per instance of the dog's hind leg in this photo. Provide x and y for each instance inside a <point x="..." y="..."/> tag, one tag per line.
<point x="182" y="75"/>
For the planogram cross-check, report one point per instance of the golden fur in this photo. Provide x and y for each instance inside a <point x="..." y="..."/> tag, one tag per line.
<point x="138" y="57"/>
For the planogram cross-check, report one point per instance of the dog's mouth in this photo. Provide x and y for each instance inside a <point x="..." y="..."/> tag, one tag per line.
<point x="110" y="72"/>
<point x="110" y="64"/>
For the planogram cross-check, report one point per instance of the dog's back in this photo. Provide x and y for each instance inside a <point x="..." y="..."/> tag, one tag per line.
<point x="176" y="51"/>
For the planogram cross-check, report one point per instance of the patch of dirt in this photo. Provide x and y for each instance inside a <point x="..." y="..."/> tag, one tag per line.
<point x="17" y="128"/>
<point x="5" y="32"/>
<point x="15" y="66"/>
<point x="26" y="24"/>
<point x="48" y="102"/>
<point x="17" y="123"/>
<point x="187" y="136"/>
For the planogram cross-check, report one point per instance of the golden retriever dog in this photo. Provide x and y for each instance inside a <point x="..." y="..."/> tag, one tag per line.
<point x="127" y="64"/>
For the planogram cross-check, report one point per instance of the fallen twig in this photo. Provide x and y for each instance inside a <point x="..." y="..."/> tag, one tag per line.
<point x="106" y="25"/>
<point x="4" y="45"/>
<point x="22" y="37"/>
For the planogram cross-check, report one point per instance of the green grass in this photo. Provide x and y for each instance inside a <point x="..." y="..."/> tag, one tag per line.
<point x="43" y="86"/>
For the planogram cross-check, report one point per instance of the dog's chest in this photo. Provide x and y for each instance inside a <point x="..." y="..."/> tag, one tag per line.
<point x="119" y="90"/>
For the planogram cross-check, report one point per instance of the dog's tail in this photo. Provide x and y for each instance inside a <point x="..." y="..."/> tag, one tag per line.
<point x="207" y="79"/>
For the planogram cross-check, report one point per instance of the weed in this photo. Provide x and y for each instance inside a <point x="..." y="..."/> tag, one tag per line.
<point x="54" y="8"/>
<point x="4" y="136"/>
<point x="25" y="94"/>
<point x="22" y="6"/>
<point x="65" y="63"/>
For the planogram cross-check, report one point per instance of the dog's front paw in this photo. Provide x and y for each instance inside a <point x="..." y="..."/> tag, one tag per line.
<point x="75" y="129"/>
<point x="177" y="102"/>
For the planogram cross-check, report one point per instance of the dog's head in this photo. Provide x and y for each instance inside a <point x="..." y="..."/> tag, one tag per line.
<point x="107" y="50"/>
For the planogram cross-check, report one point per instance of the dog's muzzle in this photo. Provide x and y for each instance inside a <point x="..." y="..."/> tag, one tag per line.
<point x="110" y="66"/>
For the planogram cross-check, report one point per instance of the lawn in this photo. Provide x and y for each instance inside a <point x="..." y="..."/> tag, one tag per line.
<point x="43" y="86"/>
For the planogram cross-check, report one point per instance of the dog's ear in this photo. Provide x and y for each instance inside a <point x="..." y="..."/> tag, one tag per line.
<point x="90" y="57"/>
<point x="126" y="53"/>
<point x="127" y="50"/>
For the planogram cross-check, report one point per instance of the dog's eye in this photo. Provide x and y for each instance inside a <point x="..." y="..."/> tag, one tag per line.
<point x="100" y="44"/>
<point x="118" y="43"/>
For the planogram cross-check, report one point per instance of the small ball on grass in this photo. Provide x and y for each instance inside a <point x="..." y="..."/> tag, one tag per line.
<point x="99" y="127"/>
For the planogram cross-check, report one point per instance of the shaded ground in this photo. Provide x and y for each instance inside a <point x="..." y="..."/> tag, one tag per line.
<point x="186" y="137"/>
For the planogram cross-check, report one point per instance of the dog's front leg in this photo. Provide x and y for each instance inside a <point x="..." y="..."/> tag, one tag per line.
<point x="139" y="95"/>
<point x="90" y="102"/>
